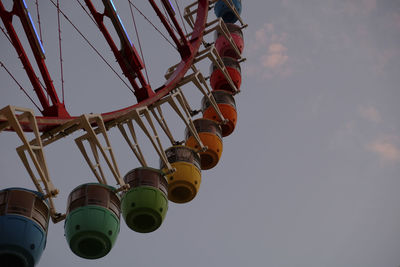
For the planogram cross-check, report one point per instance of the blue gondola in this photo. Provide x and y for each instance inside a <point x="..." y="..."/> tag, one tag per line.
<point x="223" y="11"/>
<point x="24" y="219"/>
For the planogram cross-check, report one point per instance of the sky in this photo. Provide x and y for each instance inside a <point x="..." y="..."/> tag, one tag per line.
<point x="309" y="178"/>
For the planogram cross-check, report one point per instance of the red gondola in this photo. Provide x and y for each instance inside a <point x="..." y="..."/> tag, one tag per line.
<point x="218" y="80"/>
<point x="223" y="46"/>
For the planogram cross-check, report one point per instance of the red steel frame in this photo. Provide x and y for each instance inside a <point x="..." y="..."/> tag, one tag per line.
<point x="127" y="57"/>
<point x="19" y="9"/>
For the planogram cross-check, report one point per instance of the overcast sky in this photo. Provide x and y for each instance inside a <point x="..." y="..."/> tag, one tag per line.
<point x="311" y="175"/>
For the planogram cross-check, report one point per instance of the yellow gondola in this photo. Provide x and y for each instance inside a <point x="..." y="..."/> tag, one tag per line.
<point x="184" y="183"/>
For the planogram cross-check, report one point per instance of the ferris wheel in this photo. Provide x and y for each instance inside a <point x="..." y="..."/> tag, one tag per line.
<point x="92" y="217"/>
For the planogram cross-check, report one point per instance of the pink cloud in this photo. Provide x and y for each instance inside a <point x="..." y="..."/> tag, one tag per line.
<point x="268" y="50"/>
<point x="396" y="20"/>
<point x="261" y="38"/>
<point x="370" y="113"/>
<point x="386" y="148"/>
<point x="384" y="58"/>
<point x="359" y="7"/>
<point x="285" y="3"/>
<point x="275" y="57"/>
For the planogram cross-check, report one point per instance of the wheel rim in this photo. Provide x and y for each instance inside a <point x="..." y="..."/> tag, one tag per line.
<point x="46" y="123"/>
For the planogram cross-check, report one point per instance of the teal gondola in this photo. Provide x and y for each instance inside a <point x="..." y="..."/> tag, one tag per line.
<point x="93" y="220"/>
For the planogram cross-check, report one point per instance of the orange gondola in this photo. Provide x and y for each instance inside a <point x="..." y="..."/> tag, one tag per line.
<point x="211" y="136"/>
<point x="227" y="106"/>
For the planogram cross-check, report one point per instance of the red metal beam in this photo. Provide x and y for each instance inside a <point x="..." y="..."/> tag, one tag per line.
<point x="127" y="57"/>
<point x="19" y="9"/>
<point x="181" y="43"/>
<point x="171" y="13"/>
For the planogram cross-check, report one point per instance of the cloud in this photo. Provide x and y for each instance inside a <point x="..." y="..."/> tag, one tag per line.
<point x="383" y="59"/>
<point x="386" y="55"/>
<point x="261" y="34"/>
<point x="370" y="113"/>
<point x="396" y="19"/>
<point x="357" y="7"/>
<point x="275" y="57"/>
<point x="386" y="148"/>
<point x="261" y="38"/>
<point x="343" y="138"/>
<point x="268" y="53"/>
<point x="285" y="3"/>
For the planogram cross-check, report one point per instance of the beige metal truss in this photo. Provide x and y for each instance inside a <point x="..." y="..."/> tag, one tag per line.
<point x="151" y="134"/>
<point x="133" y="145"/>
<point x="86" y="123"/>
<point x="220" y="26"/>
<point x="61" y="131"/>
<point x="34" y="149"/>
<point x="212" y="54"/>
<point x="159" y="116"/>
<point x="199" y="81"/>
<point x="210" y="50"/>
<point x="183" y="112"/>
<point x="191" y="10"/>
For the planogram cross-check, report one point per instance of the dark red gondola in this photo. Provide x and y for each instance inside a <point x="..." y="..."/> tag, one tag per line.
<point x="218" y="80"/>
<point x="224" y="47"/>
